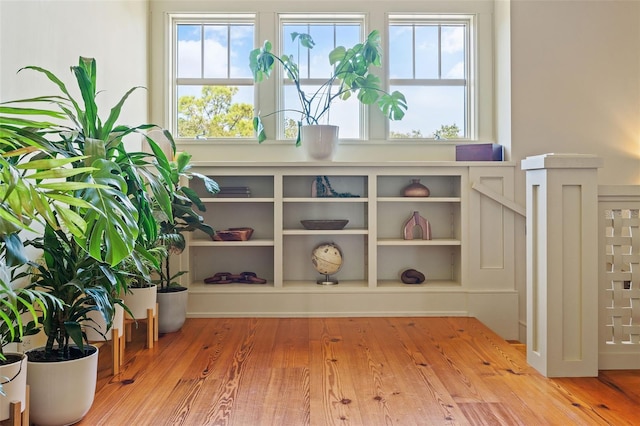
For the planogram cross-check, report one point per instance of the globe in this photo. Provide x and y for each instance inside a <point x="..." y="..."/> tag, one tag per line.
<point x="327" y="259"/>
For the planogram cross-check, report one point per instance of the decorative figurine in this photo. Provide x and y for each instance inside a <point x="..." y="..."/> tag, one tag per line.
<point x="321" y="187"/>
<point x="411" y="276"/>
<point x="419" y="221"/>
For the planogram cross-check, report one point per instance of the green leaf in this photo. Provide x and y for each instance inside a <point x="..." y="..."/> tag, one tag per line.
<point x="14" y="247"/>
<point x="115" y="111"/>
<point x="70" y="186"/>
<point x="94" y="148"/>
<point x="337" y="55"/>
<point x="159" y="190"/>
<point x="74" y="330"/>
<point x="112" y="228"/>
<point x="182" y="161"/>
<point x="163" y="165"/>
<point x="89" y="117"/>
<point x="259" y="128"/>
<point x="69" y="200"/>
<point x="59" y="173"/>
<point x="48" y="163"/>
<point x="304" y="39"/>
<point x="210" y="185"/>
<point x="52" y="77"/>
<point x="193" y="197"/>
<point x="393" y="105"/>
<point x="73" y="221"/>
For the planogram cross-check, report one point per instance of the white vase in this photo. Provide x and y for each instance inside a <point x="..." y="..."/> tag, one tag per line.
<point x="139" y="299"/>
<point x="319" y="140"/>
<point x="99" y="325"/>
<point x="61" y="393"/>
<point x="14" y="384"/>
<point x="172" y="307"/>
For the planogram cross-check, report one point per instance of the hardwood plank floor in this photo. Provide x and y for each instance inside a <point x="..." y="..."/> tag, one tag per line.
<point x="347" y="371"/>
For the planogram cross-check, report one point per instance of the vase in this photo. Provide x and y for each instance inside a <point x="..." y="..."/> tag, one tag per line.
<point x="14" y="383"/>
<point x="139" y="300"/>
<point x="61" y="393"/>
<point x="172" y="309"/>
<point x="98" y="331"/>
<point x="415" y="189"/>
<point x="319" y="140"/>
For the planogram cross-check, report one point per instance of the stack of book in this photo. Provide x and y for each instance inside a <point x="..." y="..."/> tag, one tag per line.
<point x="234" y="191"/>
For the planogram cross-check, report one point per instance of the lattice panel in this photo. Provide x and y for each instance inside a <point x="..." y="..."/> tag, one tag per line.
<point x="622" y="235"/>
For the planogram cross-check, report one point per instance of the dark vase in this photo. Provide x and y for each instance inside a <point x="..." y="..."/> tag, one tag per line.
<point x="415" y="189"/>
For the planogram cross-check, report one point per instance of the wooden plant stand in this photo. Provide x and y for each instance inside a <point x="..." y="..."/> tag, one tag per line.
<point x="152" y="327"/>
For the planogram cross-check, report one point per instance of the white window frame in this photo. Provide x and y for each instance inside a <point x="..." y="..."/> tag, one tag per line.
<point x="201" y="19"/>
<point x="483" y="86"/>
<point x="312" y="18"/>
<point x="468" y="20"/>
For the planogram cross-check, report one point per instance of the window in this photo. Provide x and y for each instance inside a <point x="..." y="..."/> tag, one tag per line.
<point x="213" y="91"/>
<point x="314" y="68"/>
<point x="429" y="61"/>
<point x="432" y="58"/>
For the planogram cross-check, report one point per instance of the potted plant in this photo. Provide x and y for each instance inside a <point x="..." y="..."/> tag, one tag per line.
<point x="19" y="311"/>
<point x="112" y="193"/>
<point x="172" y="297"/>
<point x="351" y="76"/>
<point x="25" y="199"/>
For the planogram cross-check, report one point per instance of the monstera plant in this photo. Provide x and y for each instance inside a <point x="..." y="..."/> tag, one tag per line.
<point x="351" y="76"/>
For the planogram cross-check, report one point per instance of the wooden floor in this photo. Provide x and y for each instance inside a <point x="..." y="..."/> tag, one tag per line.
<point x="347" y="371"/>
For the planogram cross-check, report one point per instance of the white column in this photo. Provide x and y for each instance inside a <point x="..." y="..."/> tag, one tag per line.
<point x="562" y="264"/>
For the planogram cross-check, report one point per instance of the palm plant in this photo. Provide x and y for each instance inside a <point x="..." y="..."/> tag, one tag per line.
<point x="116" y="192"/>
<point x="351" y="75"/>
<point x="183" y="219"/>
<point x="14" y="305"/>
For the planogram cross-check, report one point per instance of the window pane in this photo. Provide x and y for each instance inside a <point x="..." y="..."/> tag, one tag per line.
<point x="430" y="109"/>
<point x="400" y="51"/>
<point x="216" y="43"/>
<point x="215" y="111"/>
<point x="453" y="53"/>
<point x="241" y="44"/>
<point x="343" y="113"/>
<point x="314" y="63"/>
<point x="300" y="54"/>
<point x="188" y="47"/>
<point x="319" y="66"/>
<point x="427" y="51"/>
<point x="348" y="35"/>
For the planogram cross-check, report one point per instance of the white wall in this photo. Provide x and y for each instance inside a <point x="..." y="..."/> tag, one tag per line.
<point x="575" y="88"/>
<point x="53" y="34"/>
<point x="576" y="82"/>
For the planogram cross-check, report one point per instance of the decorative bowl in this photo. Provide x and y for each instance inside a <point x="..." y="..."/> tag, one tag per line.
<point x="324" y="224"/>
<point x="233" y="234"/>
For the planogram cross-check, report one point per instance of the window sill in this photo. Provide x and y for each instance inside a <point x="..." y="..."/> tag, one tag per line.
<point x="286" y="151"/>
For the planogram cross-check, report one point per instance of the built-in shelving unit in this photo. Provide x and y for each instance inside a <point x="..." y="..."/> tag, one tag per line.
<point x="375" y="251"/>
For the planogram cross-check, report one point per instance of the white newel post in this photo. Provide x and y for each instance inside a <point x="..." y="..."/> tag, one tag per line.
<point x="562" y="264"/>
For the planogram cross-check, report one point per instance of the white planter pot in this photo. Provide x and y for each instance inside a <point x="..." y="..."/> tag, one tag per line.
<point x="14" y="384"/>
<point x="139" y="300"/>
<point x="99" y="325"/>
<point x="61" y="393"/>
<point x="172" y="309"/>
<point x="320" y="141"/>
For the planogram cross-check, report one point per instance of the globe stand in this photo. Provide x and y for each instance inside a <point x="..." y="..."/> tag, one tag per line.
<point x="327" y="280"/>
<point x="327" y="259"/>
